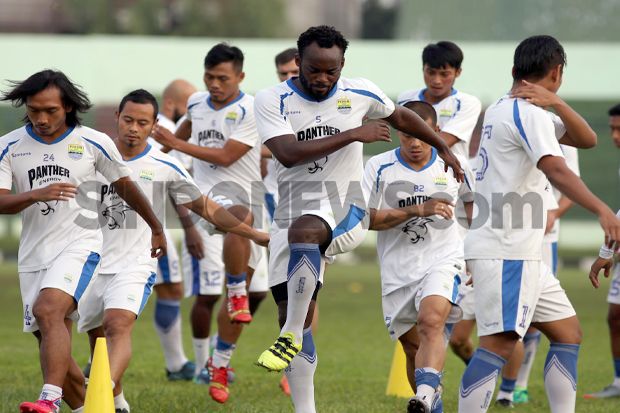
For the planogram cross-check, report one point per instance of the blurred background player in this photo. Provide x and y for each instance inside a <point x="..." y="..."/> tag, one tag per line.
<point x="127" y="275"/>
<point x="605" y="262"/>
<point x="227" y="168"/>
<point x="58" y="256"/>
<point x="512" y="287"/>
<point x="301" y="122"/>
<point x="418" y="302"/>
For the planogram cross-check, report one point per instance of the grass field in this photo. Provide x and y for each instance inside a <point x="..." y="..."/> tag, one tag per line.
<point x="354" y="351"/>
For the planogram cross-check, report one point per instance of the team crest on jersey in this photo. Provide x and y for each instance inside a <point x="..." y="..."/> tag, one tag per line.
<point x="445" y="113"/>
<point x="147" y="174"/>
<point x="344" y="104"/>
<point x="441" y="182"/>
<point x="76" y="151"/>
<point x="231" y="117"/>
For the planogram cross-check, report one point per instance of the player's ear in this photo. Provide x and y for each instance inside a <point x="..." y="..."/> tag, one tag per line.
<point x="298" y="60"/>
<point x="116" y="115"/>
<point x="342" y="63"/>
<point x="436" y="128"/>
<point x="458" y="71"/>
<point x="241" y="76"/>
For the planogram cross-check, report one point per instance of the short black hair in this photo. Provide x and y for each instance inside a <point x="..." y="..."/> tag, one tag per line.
<point x="285" y="56"/>
<point x="222" y="53"/>
<point x="442" y="54"/>
<point x="324" y="36"/>
<point x="70" y="93"/>
<point x="614" y="110"/>
<point x="140" y="96"/>
<point x="536" y="56"/>
<point x="423" y="109"/>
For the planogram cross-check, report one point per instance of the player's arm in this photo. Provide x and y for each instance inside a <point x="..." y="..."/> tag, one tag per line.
<point x="604" y="261"/>
<point x="133" y="196"/>
<point x="560" y="176"/>
<point x="193" y="239"/>
<point x="184" y="131"/>
<point x="381" y="219"/>
<point x="409" y="122"/>
<point x="230" y="153"/>
<point x="15" y="203"/>
<point x="448" y="138"/>
<point x="225" y="221"/>
<point x="578" y="133"/>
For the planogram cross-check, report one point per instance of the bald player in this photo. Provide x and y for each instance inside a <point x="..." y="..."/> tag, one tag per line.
<point x="168" y="285"/>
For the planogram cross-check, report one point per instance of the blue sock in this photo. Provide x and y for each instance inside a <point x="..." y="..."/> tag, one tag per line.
<point x="617" y="367"/>
<point x="508" y="385"/>
<point x="479" y="379"/>
<point x="564" y="358"/>
<point x="233" y="279"/>
<point x="166" y="312"/>
<point x="531" y="336"/>
<point x="437" y="406"/>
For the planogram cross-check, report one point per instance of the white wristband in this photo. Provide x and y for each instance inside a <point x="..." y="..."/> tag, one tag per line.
<point x="606" y="253"/>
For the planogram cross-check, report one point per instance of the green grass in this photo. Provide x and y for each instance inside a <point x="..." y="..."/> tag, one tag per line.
<point x="354" y="352"/>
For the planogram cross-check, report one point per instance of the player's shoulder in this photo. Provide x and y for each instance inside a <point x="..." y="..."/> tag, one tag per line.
<point x="466" y="98"/>
<point x="197" y="98"/>
<point x="410" y="95"/>
<point x="165" y="162"/>
<point x="166" y="122"/>
<point x="357" y="84"/>
<point x="384" y="158"/>
<point x="244" y="106"/>
<point x="13" y="136"/>
<point x="526" y="111"/>
<point x="92" y="135"/>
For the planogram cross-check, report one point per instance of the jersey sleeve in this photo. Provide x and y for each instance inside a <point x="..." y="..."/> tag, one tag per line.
<point x="536" y="132"/>
<point x="572" y="158"/>
<point x="108" y="160"/>
<point x="245" y="129"/>
<point x="464" y="120"/>
<point x="558" y="125"/>
<point x="467" y="187"/>
<point x="271" y="120"/>
<point x="380" y="105"/>
<point x="6" y="174"/>
<point x="180" y="186"/>
<point x="371" y="187"/>
<point x="192" y="101"/>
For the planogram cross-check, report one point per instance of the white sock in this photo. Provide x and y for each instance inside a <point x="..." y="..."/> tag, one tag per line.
<point x="236" y="284"/>
<point x="561" y="377"/>
<point x="201" y="352"/>
<point x="478" y="382"/>
<point x="168" y="326"/>
<point x="616" y="382"/>
<point x="300" y="376"/>
<point x="504" y="395"/>
<point x="78" y="410"/>
<point x="530" y="346"/>
<point x="120" y="402"/>
<point x="303" y="273"/>
<point x="427" y="380"/>
<point x="51" y="393"/>
<point x="222" y="353"/>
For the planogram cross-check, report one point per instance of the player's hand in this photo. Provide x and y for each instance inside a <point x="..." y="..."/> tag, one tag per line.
<point x="535" y="94"/>
<point x="163" y="136"/>
<point x="63" y="191"/>
<point x="552" y="215"/>
<point x="611" y="226"/>
<point x="374" y="131"/>
<point x="193" y="241"/>
<point x="452" y="162"/>
<point x="437" y="206"/>
<point x="597" y="266"/>
<point x="158" y="244"/>
<point x="261" y="238"/>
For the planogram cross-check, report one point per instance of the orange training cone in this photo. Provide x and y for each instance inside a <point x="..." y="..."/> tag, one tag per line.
<point x="398" y="384"/>
<point x="99" y="398"/>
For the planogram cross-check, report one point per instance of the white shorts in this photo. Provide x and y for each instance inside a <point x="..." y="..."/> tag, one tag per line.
<point x="401" y="306"/>
<point x="72" y="271"/>
<point x="550" y="256"/>
<point x="511" y="294"/>
<point x="128" y="290"/>
<point x="613" y="297"/>
<point x="346" y="236"/>
<point x="206" y="276"/>
<point x="465" y="300"/>
<point x="168" y="271"/>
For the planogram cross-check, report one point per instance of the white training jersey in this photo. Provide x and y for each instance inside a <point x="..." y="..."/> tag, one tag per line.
<point x="572" y="161"/>
<point x="334" y="181"/>
<point x="213" y="128"/>
<point x="457" y="114"/>
<point x="408" y="251"/>
<point x="126" y="236"/>
<point x="28" y="162"/>
<point x="167" y="123"/>
<point x="515" y="136"/>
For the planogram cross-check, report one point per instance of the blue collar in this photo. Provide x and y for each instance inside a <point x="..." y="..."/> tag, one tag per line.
<point x="453" y="92"/>
<point x="40" y="139"/>
<point x="406" y="165"/>
<point x="304" y="95"/>
<point x="235" y="100"/>
<point x="141" y="154"/>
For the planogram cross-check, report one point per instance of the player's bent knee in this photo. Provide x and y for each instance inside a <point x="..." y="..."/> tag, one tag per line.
<point x="308" y="229"/>
<point x="430" y="324"/>
<point x="119" y="323"/>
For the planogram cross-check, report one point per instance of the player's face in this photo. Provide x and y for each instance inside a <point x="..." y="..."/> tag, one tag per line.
<point x="135" y="123"/>
<point x="287" y="70"/>
<point x="222" y="82"/>
<point x="47" y="113"/>
<point x="439" y="81"/>
<point x="412" y="149"/>
<point x="614" y="125"/>
<point x="319" y="70"/>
